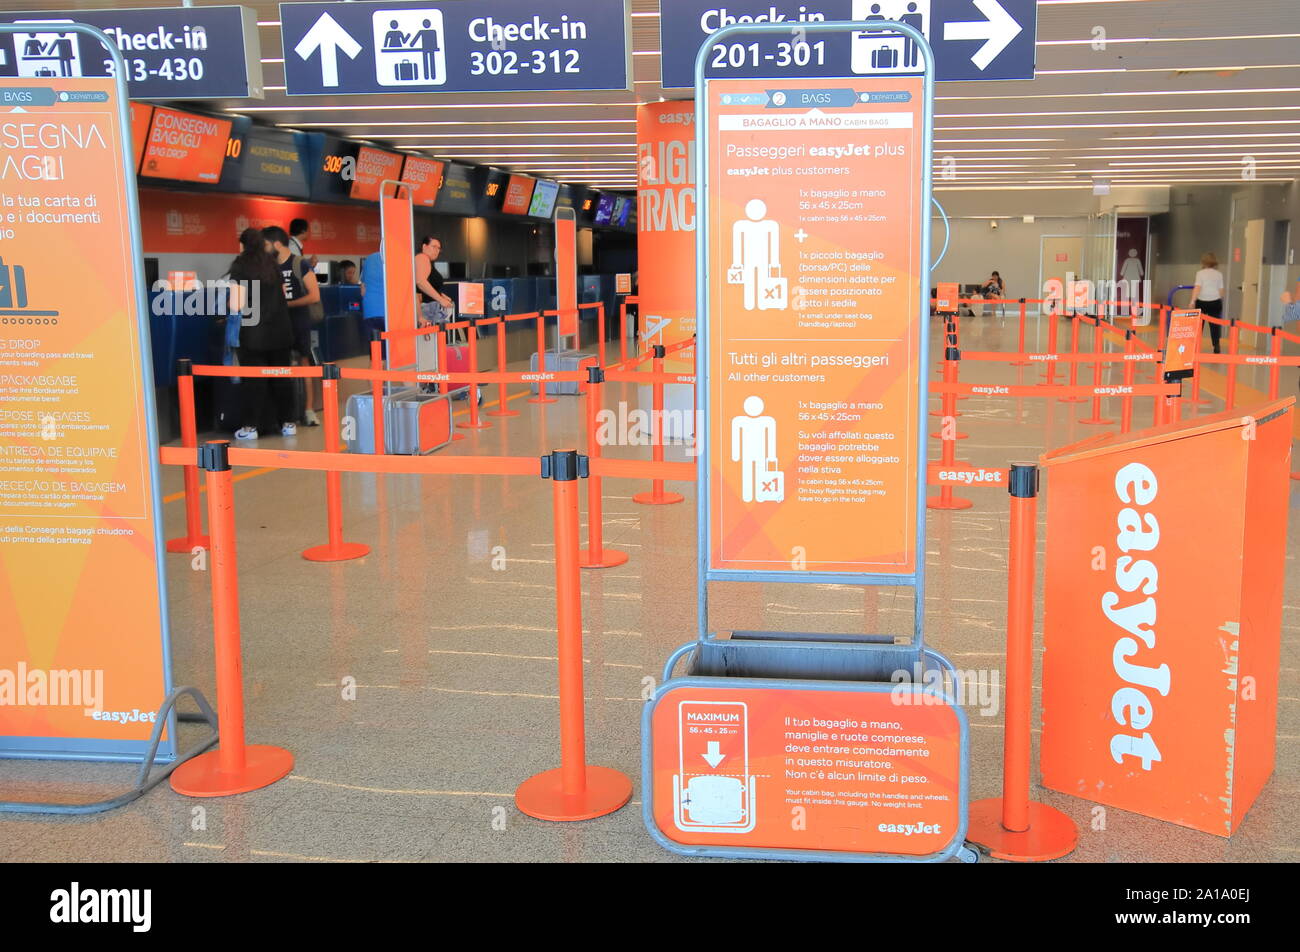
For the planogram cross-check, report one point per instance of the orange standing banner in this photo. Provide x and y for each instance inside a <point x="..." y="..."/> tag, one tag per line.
<point x="566" y="273"/>
<point x="1182" y="344"/>
<point x="945" y="299"/>
<point x="84" y="655"/>
<point x="666" y="191"/>
<point x="397" y="234"/>
<point x="814" y="254"/>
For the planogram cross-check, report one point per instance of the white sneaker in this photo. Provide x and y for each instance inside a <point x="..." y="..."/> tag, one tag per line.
<point x="311" y="418"/>
<point x="246" y="433"/>
<point x="289" y="429"/>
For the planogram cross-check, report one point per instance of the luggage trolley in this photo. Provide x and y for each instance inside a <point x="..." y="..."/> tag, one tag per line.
<point x="804" y="745"/>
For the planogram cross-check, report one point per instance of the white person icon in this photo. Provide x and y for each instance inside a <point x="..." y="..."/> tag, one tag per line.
<point x="756" y="259"/>
<point x="753" y="445"/>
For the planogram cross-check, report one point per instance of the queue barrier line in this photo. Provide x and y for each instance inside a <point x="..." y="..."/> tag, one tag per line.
<point x="1082" y="390"/>
<point x="1116" y="357"/>
<point x="465" y="377"/>
<point x="220" y="370"/>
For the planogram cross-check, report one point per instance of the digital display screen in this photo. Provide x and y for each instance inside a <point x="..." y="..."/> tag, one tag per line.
<point x="373" y="167"/>
<point x="519" y="191"/>
<point x="185" y="146"/>
<point x="457" y="195"/>
<point x="544" y="195"/>
<point x="425" y="176"/>
<point x="492" y="190"/>
<point x="621" y="210"/>
<point x="328" y="159"/>
<point x="272" y="162"/>
<point x="604" y="209"/>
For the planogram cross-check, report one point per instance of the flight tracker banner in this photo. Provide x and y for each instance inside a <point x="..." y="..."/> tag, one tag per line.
<point x="814" y="247"/>
<point x="665" y="135"/>
<point x="83" y="637"/>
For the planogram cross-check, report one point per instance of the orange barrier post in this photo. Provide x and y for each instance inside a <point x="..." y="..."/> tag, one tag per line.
<point x="1126" y="405"/>
<point x="945" y="499"/>
<point x="600" y="331"/>
<point x="1024" y="309"/>
<point x="194" y="537"/>
<point x="1049" y="375"/>
<point x="445" y="387"/>
<point x="950" y="343"/>
<point x="1230" y="392"/>
<point x="596" y="555"/>
<point x="949" y="401"/>
<point x="622" y="331"/>
<point x="233" y="767"/>
<point x="574" y="790"/>
<point x="1074" y="364"/>
<point x="503" y="408"/>
<point x="541" y="360"/>
<point x="1012" y="826"/>
<point x="656" y="496"/>
<point x="377" y="396"/>
<point x="474" y="422"/>
<point x="1098" y="348"/>
<point x="1274" y="351"/>
<point x="336" y="550"/>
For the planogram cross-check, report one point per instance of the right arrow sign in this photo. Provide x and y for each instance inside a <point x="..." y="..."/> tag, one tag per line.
<point x="997" y="29"/>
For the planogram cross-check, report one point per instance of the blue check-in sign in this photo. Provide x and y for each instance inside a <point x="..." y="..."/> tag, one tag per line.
<point x="168" y="52"/>
<point x="420" y="46"/>
<point x="971" y="39"/>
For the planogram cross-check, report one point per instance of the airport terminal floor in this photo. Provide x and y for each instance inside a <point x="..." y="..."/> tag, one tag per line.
<point x="453" y="657"/>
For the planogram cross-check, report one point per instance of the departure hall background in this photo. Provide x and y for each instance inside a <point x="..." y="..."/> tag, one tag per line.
<point x="956" y="459"/>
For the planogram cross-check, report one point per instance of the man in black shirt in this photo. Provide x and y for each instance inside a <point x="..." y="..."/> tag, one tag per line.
<point x="302" y="293"/>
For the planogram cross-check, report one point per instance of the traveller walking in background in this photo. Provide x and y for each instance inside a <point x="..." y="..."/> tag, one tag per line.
<point x="299" y="228"/>
<point x="267" y="339"/>
<point x="1208" y="294"/>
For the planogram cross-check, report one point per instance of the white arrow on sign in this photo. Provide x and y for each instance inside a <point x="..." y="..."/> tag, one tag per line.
<point x="714" y="755"/>
<point x="327" y="36"/>
<point x="997" y="30"/>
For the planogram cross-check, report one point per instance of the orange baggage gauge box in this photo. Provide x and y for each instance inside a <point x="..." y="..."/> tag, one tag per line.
<point x="1182" y="344"/>
<point x="1166" y="554"/>
<point x="814" y="326"/>
<point x="804" y="766"/>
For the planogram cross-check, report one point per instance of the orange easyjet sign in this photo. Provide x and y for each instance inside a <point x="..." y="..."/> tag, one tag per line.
<point x="82" y="611"/>
<point x="814" y="325"/>
<point x="767" y="768"/>
<point x="1182" y="343"/>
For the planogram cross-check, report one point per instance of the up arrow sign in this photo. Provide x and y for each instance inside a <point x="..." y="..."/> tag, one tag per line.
<point x="998" y="29"/>
<point x="327" y="36"/>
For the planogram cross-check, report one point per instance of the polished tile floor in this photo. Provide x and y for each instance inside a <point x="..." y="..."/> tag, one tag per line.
<point x="417" y="687"/>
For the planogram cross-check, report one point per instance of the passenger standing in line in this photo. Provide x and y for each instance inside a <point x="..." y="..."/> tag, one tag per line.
<point x="435" y="307"/>
<point x="372" y="291"/>
<point x="298" y="231"/>
<point x="1208" y="294"/>
<point x="302" y="294"/>
<point x="267" y="339"/>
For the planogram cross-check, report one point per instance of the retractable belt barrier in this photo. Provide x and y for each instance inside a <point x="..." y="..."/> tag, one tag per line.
<point x="573" y="791"/>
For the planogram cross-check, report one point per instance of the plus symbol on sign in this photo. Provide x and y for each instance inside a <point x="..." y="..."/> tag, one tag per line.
<point x="801" y="235"/>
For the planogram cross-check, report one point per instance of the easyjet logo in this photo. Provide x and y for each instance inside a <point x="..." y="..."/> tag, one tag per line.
<point x="677" y="118"/>
<point x="1137" y="531"/>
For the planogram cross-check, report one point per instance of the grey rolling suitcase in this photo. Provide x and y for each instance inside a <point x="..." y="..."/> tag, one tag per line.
<point x="414" y="423"/>
<point x="566" y="361"/>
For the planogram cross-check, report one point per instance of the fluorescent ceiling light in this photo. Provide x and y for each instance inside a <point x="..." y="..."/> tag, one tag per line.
<point x="1148" y="93"/>
<point x="1173" y="39"/>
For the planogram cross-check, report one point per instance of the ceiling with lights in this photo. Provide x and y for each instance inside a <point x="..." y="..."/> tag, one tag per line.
<point x="1137" y="91"/>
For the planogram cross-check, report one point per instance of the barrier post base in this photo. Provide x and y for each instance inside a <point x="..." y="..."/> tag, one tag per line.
<point x="958" y="436"/>
<point x="1051" y="833"/>
<point x="502" y="413"/>
<point x="542" y="796"/>
<point x="1072" y="399"/>
<point x="1097" y="421"/>
<point x="651" y="498"/>
<point x="953" y="502"/>
<point x="187" y="545"/>
<point x="203" y="776"/>
<point x="542" y="398"/>
<point x="480" y="425"/>
<point x="344" y="552"/>
<point x="607" y="560"/>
